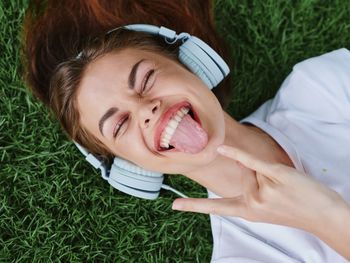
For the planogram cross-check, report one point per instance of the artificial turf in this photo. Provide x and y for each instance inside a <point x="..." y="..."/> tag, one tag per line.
<point x="55" y="208"/>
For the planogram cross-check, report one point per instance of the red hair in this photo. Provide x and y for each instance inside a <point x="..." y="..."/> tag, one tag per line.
<point x="56" y="31"/>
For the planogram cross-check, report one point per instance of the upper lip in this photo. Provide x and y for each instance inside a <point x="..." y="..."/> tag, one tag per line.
<point x="164" y="119"/>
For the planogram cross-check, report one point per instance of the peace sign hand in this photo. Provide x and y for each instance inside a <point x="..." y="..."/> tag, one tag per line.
<point x="273" y="193"/>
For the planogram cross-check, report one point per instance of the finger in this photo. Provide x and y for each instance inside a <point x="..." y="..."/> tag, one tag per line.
<point x="218" y="206"/>
<point x="246" y="159"/>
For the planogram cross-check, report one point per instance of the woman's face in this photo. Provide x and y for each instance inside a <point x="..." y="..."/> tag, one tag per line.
<point x="123" y="98"/>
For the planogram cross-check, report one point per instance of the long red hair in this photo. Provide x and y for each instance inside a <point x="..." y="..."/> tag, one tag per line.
<point x="56" y="31"/>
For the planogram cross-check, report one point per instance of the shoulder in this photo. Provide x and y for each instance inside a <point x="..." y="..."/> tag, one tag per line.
<point x="318" y="87"/>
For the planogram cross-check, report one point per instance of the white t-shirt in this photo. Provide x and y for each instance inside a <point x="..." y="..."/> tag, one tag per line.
<point x="310" y="119"/>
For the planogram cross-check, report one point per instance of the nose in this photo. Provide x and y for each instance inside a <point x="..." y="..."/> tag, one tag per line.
<point x="149" y="112"/>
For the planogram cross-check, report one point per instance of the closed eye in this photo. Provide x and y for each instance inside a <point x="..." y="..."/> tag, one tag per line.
<point x="146" y="81"/>
<point x="119" y="126"/>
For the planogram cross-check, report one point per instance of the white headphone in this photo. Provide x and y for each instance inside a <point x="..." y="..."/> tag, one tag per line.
<point x="200" y="59"/>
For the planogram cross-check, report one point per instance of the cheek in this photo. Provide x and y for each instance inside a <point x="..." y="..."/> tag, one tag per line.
<point x="130" y="146"/>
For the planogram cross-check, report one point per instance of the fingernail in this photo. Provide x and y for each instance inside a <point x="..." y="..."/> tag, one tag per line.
<point x="176" y="206"/>
<point x="221" y="149"/>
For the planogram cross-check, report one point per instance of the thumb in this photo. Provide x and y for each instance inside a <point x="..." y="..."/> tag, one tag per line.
<point x="219" y="206"/>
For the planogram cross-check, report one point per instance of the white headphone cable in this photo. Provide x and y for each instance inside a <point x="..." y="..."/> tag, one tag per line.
<point x="167" y="187"/>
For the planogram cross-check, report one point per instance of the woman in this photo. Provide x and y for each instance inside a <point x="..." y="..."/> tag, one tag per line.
<point x="89" y="80"/>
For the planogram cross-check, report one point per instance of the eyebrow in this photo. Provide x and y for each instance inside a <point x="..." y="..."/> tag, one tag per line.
<point x="105" y="116"/>
<point x="132" y="75"/>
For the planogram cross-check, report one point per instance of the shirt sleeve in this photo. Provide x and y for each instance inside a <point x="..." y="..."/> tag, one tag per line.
<point x="318" y="88"/>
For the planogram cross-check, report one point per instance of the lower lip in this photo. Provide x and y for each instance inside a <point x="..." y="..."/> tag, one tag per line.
<point x="196" y="118"/>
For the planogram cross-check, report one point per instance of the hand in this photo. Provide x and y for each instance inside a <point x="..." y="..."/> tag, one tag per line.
<point x="273" y="193"/>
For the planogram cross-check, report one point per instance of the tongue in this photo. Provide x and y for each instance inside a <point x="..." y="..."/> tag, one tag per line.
<point x="189" y="137"/>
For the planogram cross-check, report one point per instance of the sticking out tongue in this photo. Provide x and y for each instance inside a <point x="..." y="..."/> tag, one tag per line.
<point x="189" y="137"/>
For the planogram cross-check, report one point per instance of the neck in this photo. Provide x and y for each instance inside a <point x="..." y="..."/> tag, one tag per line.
<point x="223" y="176"/>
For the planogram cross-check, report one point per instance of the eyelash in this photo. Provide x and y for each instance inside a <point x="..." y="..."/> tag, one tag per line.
<point x="148" y="76"/>
<point x="115" y="132"/>
<point x="144" y="85"/>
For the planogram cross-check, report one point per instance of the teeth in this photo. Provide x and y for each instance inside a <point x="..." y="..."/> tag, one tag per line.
<point x="167" y="136"/>
<point x="164" y="145"/>
<point x="169" y="130"/>
<point x="173" y="123"/>
<point x="180" y="114"/>
<point x="178" y="118"/>
<point x="185" y="110"/>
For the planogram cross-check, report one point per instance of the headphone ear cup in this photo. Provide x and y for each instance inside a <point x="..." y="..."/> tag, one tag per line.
<point x="203" y="61"/>
<point x="195" y="68"/>
<point x="134" y="180"/>
<point x="133" y="168"/>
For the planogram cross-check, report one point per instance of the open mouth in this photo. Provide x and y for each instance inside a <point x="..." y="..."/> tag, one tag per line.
<point x="170" y="121"/>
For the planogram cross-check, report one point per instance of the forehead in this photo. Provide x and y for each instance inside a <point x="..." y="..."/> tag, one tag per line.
<point x="112" y="66"/>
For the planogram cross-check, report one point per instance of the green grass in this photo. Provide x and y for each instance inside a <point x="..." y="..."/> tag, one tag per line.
<point x="55" y="208"/>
